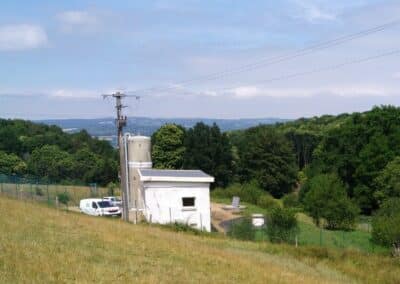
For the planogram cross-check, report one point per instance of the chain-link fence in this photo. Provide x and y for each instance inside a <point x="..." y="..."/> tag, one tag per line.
<point x="31" y="188"/>
<point x="307" y="235"/>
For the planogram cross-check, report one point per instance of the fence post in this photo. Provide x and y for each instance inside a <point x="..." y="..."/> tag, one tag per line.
<point x="320" y="237"/>
<point x="343" y="238"/>
<point x="48" y="194"/>
<point x="170" y="216"/>
<point x="1" y="188"/>
<point x="296" y="241"/>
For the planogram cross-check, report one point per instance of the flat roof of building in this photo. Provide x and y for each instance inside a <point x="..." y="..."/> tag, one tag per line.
<point x="174" y="175"/>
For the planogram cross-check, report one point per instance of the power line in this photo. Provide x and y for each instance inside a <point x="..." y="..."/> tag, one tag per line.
<point x="275" y="60"/>
<point x="318" y="70"/>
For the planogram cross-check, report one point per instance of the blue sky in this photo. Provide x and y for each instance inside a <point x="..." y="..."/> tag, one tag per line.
<point x="58" y="57"/>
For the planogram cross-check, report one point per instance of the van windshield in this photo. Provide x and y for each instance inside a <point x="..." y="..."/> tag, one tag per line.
<point x="104" y="204"/>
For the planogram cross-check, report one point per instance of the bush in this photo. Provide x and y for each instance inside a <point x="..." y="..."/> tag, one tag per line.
<point x="266" y="201"/>
<point x="38" y="191"/>
<point x="63" y="198"/>
<point x="181" y="227"/>
<point x="251" y="192"/>
<point x="282" y="225"/>
<point x="242" y="229"/>
<point x="291" y="200"/>
<point x="386" y="225"/>
<point x="248" y="192"/>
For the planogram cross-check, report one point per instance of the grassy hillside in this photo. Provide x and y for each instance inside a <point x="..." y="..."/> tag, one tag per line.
<point x="39" y="244"/>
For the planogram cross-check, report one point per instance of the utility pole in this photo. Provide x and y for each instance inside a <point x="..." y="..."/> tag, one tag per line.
<point x="120" y="122"/>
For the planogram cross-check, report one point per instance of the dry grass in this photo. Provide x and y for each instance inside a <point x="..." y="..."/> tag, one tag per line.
<point x="42" y="245"/>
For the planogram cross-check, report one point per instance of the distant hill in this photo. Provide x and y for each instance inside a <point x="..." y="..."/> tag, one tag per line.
<point x="146" y="126"/>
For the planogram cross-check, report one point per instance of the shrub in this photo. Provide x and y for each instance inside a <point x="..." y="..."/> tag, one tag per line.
<point x="242" y="229"/>
<point x="386" y="225"/>
<point x="181" y="227"/>
<point x="248" y="192"/>
<point x="251" y="192"/>
<point x="63" y="198"/>
<point x="266" y="201"/>
<point x="38" y="191"/>
<point x="282" y="225"/>
<point x="228" y="192"/>
<point x="291" y="200"/>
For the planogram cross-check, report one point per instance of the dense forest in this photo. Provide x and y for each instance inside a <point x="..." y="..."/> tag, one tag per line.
<point x="46" y="152"/>
<point x="355" y="155"/>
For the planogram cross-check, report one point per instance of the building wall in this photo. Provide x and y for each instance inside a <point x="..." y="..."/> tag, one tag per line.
<point x="164" y="203"/>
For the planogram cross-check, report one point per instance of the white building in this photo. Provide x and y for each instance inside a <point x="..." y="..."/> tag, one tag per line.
<point x="165" y="196"/>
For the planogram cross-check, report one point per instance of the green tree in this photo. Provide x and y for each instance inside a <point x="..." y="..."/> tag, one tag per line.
<point x="168" y="147"/>
<point x="211" y="151"/>
<point x="386" y="225"/>
<point x="11" y="164"/>
<point x="282" y="225"/>
<point x="327" y="200"/>
<point x="9" y="140"/>
<point x="267" y="156"/>
<point x="87" y="165"/>
<point x="358" y="148"/>
<point x="51" y="162"/>
<point x="388" y="181"/>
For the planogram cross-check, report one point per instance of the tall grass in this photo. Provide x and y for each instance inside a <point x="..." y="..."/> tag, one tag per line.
<point x="42" y="245"/>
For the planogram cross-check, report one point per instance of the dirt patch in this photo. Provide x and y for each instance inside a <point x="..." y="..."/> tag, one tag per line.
<point x="220" y="216"/>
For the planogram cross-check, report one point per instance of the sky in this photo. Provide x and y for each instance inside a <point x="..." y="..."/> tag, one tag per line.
<point x="191" y="58"/>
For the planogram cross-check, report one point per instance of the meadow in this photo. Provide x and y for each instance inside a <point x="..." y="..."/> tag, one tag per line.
<point x="39" y="244"/>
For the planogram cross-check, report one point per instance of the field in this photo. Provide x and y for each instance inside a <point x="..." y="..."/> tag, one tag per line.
<point x="311" y="235"/>
<point x="41" y="245"/>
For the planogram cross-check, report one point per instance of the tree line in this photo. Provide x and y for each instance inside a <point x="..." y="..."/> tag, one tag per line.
<point x="46" y="152"/>
<point x="338" y="166"/>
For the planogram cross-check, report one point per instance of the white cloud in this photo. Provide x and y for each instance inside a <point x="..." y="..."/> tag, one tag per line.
<point x="396" y="75"/>
<point x="82" y="20"/>
<point x="312" y="13"/>
<point x="74" y="93"/>
<point x="248" y="92"/>
<point x="22" y="37"/>
<point x="76" y="18"/>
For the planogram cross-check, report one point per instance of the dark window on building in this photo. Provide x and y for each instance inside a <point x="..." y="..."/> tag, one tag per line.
<point x="188" y="201"/>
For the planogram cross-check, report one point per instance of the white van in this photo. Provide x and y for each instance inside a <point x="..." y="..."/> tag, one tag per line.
<point x="99" y="207"/>
<point x="114" y="200"/>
